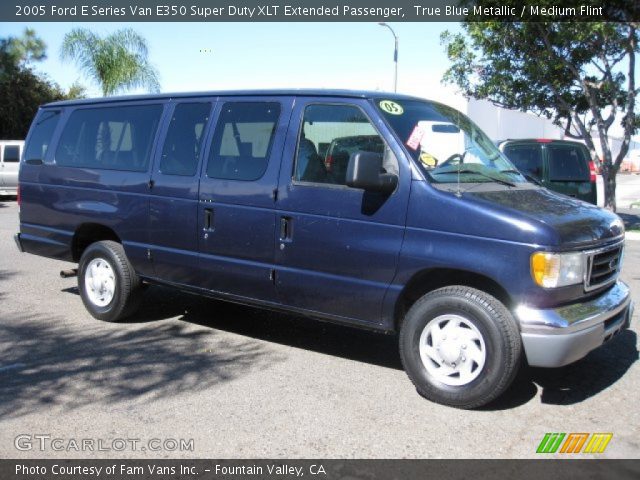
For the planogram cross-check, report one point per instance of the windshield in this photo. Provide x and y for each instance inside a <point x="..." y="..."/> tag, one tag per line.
<point x="446" y="144"/>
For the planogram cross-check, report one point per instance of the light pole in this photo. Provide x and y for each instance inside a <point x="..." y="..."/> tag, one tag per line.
<point x="395" y="55"/>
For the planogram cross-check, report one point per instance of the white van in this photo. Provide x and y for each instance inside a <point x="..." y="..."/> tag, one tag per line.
<point x="10" y="153"/>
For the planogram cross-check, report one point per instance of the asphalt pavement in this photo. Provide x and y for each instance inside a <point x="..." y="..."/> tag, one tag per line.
<point x="237" y="382"/>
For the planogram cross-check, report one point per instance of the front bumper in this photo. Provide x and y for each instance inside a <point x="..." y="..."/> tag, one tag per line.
<point x="559" y="336"/>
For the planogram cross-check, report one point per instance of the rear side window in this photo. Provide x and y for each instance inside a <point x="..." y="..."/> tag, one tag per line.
<point x="526" y="158"/>
<point x="41" y="134"/>
<point x="113" y="138"/>
<point x="11" y="154"/>
<point x="182" y="146"/>
<point x="567" y="163"/>
<point x="242" y="140"/>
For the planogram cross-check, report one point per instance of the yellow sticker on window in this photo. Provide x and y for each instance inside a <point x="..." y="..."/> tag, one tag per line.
<point x="428" y="159"/>
<point x="391" y="107"/>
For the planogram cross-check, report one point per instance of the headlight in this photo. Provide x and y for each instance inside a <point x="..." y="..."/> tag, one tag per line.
<point x="551" y="270"/>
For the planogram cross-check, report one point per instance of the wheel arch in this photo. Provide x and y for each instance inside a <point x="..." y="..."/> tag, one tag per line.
<point x="88" y="233"/>
<point x="427" y="280"/>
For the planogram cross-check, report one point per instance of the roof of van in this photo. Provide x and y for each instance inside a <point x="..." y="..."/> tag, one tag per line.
<point x="240" y="93"/>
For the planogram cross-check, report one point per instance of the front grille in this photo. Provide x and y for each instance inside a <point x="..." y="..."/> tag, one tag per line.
<point x="603" y="266"/>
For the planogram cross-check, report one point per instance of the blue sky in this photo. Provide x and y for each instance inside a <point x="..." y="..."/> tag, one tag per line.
<point x="211" y="56"/>
<point x="224" y="56"/>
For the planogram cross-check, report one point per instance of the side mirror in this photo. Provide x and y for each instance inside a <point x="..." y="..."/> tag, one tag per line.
<point x="365" y="171"/>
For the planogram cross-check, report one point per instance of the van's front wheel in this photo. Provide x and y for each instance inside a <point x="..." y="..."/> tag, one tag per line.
<point x="109" y="287"/>
<point x="460" y="347"/>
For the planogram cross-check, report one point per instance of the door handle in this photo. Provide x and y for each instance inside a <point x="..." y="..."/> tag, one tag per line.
<point x="286" y="229"/>
<point x="208" y="220"/>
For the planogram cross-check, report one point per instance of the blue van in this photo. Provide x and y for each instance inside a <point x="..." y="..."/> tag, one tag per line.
<point x="381" y="211"/>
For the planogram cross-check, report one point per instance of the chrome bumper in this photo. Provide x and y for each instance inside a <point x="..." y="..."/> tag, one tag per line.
<point x="559" y="336"/>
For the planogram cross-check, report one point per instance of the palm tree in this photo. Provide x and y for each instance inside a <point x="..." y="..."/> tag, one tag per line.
<point x="116" y="62"/>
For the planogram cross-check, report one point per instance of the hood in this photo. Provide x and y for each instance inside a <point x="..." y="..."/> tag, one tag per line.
<point x="572" y="221"/>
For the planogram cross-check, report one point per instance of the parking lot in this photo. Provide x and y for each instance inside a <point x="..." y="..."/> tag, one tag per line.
<point x="247" y="383"/>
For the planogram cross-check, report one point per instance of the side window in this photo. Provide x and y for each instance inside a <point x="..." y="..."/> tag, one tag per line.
<point x="526" y="158"/>
<point x="41" y="134"/>
<point x="184" y="139"/>
<point x="11" y="153"/>
<point x="242" y="140"/>
<point x="330" y="134"/>
<point x="110" y="138"/>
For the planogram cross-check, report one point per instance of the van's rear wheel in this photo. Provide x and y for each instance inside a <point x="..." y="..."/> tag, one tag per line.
<point x="460" y="347"/>
<point x="109" y="287"/>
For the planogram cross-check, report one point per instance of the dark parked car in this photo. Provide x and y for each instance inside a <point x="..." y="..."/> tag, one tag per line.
<point x="560" y="165"/>
<point x="10" y="151"/>
<point x="429" y="233"/>
<point x="341" y="149"/>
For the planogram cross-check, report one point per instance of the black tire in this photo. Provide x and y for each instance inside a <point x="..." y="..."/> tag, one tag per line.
<point x="127" y="291"/>
<point x="499" y="332"/>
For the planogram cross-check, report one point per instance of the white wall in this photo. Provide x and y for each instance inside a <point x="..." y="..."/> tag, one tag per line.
<point x="500" y="123"/>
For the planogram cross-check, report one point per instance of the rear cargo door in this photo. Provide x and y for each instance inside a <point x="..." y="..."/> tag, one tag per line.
<point x="568" y="171"/>
<point x="527" y="157"/>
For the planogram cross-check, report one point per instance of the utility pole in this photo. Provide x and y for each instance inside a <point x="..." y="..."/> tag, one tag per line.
<point x="395" y="55"/>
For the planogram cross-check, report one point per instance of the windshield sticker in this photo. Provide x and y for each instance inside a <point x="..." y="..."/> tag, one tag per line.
<point x="428" y="160"/>
<point x="415" y="137"/>
<point x="391" y="107"/>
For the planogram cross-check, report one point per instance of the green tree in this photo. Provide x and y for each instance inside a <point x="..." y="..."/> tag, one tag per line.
<point x="23" y="50"/>
<point x="581" y="75"/>
<point x="76" y="90"/>
<point x="117" y="62"/>
<point x="22" y="90"/>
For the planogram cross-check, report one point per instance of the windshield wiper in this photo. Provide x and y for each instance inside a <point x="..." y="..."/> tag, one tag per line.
<point x="529" y="177"/>
<point x="476" y="172"/>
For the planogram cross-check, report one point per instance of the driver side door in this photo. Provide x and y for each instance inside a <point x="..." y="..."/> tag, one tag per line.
<point x="337" y="247"/>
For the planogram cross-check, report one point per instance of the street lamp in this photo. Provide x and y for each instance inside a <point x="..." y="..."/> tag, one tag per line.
<point x="395" y="55"/>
